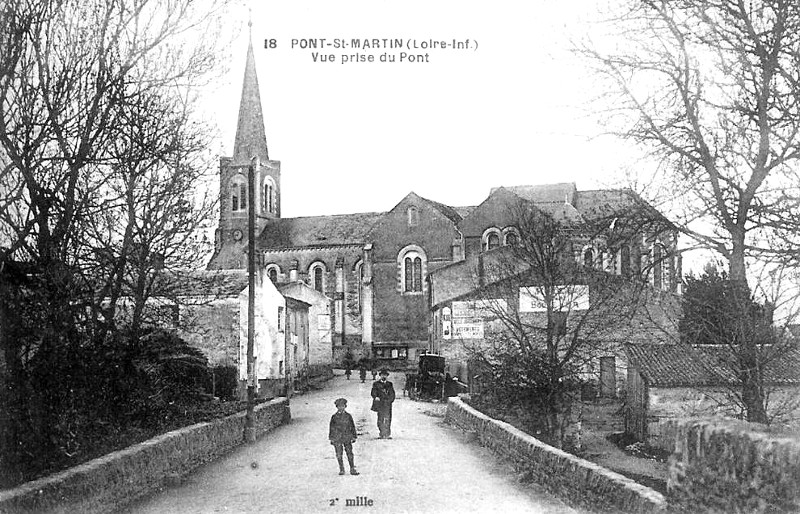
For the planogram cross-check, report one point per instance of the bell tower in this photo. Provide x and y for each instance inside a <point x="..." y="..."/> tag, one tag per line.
<point x="250" y="147"/>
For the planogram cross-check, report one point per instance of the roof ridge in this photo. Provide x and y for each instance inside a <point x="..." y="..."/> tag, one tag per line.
<point x="331" y="215"/>
<point x="451" y="213"/>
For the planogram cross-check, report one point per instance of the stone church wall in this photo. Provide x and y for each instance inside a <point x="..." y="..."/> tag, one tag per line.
<point x="398" y="316"/>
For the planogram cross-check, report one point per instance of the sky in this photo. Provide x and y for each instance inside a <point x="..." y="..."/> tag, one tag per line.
<point x="514" y="108"/>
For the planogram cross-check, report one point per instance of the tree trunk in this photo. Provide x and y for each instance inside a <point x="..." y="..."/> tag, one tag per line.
<point x="746" y="349"/>
<point x="752" y="382"/>
<point x="736" y="261"/>
<point x="753" y="398"/>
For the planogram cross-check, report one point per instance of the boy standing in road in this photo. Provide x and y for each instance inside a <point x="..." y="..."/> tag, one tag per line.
<point x="382" y="398"/>
<point x="342" y="434"/>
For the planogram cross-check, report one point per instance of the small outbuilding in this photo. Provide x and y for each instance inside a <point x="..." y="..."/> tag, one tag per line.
<point x="667" y="382"/>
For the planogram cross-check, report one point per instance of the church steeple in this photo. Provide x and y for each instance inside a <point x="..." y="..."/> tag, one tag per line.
<point x="251" y="141"/>
<point x="251" y="138"/>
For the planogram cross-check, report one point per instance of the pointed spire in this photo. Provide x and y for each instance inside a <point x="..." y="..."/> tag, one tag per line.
<point x="251" y="138"/>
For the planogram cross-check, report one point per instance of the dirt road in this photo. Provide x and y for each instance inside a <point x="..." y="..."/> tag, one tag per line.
<point x="426" y="467"/>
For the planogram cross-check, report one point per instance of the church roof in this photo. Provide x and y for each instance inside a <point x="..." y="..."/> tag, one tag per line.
<point x="251" y="138"/>
<point x="565" y="202"/>
<point x="545" y="193"/>
<point x="349" y="229"/>
<point x="600" y="202"/>
<point x="340" y="229"/>
<point x="449" y="212"/>
<point x="464" y="210"/>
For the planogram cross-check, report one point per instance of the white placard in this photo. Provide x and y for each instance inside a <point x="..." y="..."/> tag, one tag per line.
<point x="468" y="330"/>
<point x="567" y="298"/>
<point x="324" y="327"/>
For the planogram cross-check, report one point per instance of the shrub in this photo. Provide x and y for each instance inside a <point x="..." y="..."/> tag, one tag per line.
<point x="222" y="381"/>
<point x="523" y="386"/>
<point x="85" y="398"/>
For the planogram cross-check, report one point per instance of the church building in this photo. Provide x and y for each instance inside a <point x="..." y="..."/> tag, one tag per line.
<point x="374" y="266"/>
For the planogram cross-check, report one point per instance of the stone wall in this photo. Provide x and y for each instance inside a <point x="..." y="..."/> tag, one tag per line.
<point x="111" y="481"/>
<point x="319" y="373"/>
<point x="733" y="466"/>
<point x="574" y="480"/>
<point x="666" y="406"/>
<point x="214" y="329"/>
<point x="397" y="316"/>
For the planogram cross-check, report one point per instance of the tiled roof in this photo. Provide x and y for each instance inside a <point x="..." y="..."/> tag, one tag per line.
<point x="562" y="200"/>
<point x="599" y="200"/>
<point x="606" y="203"/>
<point x="565" y="202"/>
<point x="464" y="211"/>
<point x="334" y="230"/>
<point x="545" y="193"/>
<point x="317" y="230"/>
<point x="674" y="365"/>
<point x="449" y="212"/>
<point x="561" y="212"/>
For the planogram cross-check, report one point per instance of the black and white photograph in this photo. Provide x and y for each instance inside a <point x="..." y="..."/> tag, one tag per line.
<point x="399" y="256"/>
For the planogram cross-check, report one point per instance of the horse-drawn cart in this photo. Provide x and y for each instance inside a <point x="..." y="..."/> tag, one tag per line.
<point x="428" y="383"/>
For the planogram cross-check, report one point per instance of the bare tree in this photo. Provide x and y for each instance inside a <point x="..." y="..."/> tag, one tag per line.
<point x="557" y="309"/>
<point x="712" y="89"/>
<point x="83" y="86"/>
<point x="152" y="208"/>
<point x="74" y="74"/>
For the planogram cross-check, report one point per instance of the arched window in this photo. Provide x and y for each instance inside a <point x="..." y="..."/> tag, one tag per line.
<point x="658" y="266"/>
<point x="491" y="239"/>
<point x="238" y="188"/>
<point x="359" y="272"/>
<point x="510" y="236"/>
<point x="270" y="195"/>
<point x="316" y="274"/>
<point x="413" y="216"/>
<point x="412" y="269"/>
<point x="273" y="270"/>
<point x="588" y="257"/>
<point x="625" y="261"/>
<point x="318" y="279"/>
<point x="612" y="265"/>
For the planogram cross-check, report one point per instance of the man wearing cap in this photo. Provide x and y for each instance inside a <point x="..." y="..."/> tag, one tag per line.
<point x="382" y="398"/>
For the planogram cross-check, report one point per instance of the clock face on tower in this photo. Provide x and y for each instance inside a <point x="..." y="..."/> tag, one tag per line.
<point x="237" y="235"/>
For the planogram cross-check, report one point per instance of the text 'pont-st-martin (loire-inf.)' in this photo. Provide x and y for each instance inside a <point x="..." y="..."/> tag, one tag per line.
<point x="363" y="50"/>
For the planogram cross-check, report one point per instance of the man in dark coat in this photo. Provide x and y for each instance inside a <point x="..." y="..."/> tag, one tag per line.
<point x="362" y="369"/>
<point x="382" y="398"/>
<point x="342" y="434"/>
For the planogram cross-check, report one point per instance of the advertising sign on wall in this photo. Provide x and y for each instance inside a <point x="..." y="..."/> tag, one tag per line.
<point x="468" y="318"/>
<point x="566" y="298"/>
